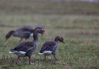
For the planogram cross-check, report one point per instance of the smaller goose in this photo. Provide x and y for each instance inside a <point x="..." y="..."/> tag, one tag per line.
<point x="22" y="32"/>
<point x="50" y="47"/>
<point x="27" y="48"/>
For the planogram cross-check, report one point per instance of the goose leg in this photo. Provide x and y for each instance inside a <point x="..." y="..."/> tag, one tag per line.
<point x="45" y="57"/>
<point x="17" y="61"/>
<point x="20" y="40"/>
<point x="55" y="57"/>
<point x="30" y="60"/>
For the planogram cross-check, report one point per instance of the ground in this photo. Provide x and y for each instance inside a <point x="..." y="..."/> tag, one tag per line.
<point x="80" y="32"/>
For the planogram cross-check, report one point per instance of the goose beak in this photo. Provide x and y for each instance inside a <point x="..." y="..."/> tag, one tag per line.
<point x="63" y="42"/>
<point x="6" y="39"/>
<point x="43" y="30"/>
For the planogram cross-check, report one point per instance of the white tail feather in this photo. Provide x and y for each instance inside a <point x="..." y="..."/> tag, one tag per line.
<point x="45" y="52"/>
<point x="11" y="52"/>
<point x="19" y="53"/>
<point x="40" y="53"/>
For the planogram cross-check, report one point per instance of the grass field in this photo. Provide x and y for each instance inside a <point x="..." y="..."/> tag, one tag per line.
<point x="81" y="34"/>
<point x="77" y="22"/>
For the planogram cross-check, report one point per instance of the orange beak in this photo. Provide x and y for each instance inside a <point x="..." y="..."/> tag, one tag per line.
<point x="6" y="39"/>
<point x="43" y="30"/>
<point x="63" y="42"/>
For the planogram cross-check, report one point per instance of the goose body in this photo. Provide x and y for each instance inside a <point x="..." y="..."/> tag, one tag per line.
<point x="24" y="47"/>
<point x="50" y="47"/>
<point x="22" y="32"/>
<point x="27" y="48"/>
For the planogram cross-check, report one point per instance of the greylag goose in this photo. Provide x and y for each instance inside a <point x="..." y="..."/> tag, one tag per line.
<point x="50" y="47"/>
<point x="22" y="32"/>
<point x="27" y="48"/>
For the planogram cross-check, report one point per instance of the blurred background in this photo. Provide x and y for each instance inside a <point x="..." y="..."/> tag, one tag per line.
<point x="84" y="7"/>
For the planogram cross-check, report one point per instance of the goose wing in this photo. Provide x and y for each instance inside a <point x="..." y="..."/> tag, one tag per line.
<point x="48" y="46"/>
<point x="25" y="28"/>
<point x="25" y="46"/>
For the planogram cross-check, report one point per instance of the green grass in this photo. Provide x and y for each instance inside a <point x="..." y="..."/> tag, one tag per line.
<point x="81" y="34"/>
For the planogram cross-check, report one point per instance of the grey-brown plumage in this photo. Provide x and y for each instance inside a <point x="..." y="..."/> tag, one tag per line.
<point x="50" y="47"/>
<point x="22" y="32"/>
<point x="27" y="48"/>
<point x="40" y="27"/>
